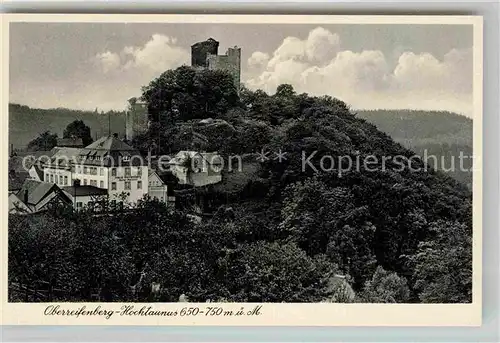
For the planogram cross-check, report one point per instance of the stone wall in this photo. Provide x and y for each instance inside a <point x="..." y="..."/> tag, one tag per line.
<point x="201" y="50"/>
<point x="230" y="62"/>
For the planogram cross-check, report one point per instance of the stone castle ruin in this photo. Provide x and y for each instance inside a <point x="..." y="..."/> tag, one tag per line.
<point x="204" y="55"/>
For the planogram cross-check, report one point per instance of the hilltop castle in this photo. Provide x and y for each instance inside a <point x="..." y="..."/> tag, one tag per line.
<point x="204" y="55"/>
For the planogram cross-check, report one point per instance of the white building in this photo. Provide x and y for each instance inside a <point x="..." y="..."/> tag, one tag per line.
<point x="197" y="168"/>
<point x="108" y="164"/>
<point x="157" y="189"/>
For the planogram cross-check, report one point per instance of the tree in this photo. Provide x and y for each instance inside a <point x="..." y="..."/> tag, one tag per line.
<point x="443" y="264"/>
<point x="285" y="90"/>
<point x="275" y="272"/>
<point x="385" y="287"/>
<point x="44" y="142"/>
<point x="186" y="93"/>
<point x="78" y="129"/>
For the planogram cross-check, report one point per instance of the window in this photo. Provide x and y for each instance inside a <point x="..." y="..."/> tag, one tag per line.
<point x="127" y="185"/>
<point x="101" y="184"/>
<point x="84" y="182"/>
<point x="78" y="205"/>
<point x="139" y="184"/>
<point x="113" y="186"/>
<point x="65" y="180"/>
<point x="139" y="171"/>
<point x="113" y="171"/>
<point x="127" y="171"/>
<point x="85" y="170"/>
<point x="52" y="178"/>
<point x="93" y="183"/>
<point x="47" y="178"/>
<point x="101" y="171"/>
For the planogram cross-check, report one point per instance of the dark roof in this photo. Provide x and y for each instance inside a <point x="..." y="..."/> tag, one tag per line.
<point x="168" y="177"/>
<point x="70" y="142"/>
<point x="84" y="190"/>
<point x="36" y="190"/>
<point x="108" y="151"/>
<point x="109" y="143"/>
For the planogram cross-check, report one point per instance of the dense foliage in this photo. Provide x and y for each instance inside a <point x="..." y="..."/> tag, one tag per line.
<point x="78" y="129"/>
<point x="281" y="232"/>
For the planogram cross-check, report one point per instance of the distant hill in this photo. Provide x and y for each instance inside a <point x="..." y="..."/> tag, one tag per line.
<point x="414" y="128"/>
<point x="27" y="123"/>
<point x="441" y="134"/>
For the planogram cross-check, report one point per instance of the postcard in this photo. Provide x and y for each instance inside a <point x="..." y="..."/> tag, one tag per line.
<point x="284" y="170"/>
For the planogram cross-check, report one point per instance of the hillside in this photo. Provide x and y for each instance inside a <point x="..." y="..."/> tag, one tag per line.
<point x="282" y="229"/>
<point x="444" y="135"/>
<point x="27" y="123"/>
<point x="416" y="128"/>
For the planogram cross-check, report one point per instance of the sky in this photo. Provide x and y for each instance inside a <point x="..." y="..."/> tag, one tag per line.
<point x="101" y="65"/>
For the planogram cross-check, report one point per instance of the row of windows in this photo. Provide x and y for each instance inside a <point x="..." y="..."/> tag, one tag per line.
<point x="93" y="171"/>
<point x="93" y="183"/>
<point x="61" y="180"/>
<point x="128" y="185"/>
<point x="127" y="171"/>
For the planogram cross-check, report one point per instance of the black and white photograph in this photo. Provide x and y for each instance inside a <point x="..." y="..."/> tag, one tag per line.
<point x="218" y="162"/>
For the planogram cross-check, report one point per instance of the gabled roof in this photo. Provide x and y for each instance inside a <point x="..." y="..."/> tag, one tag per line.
<point x="69" y="142"/>
<point x="16" y="205"/>
<point x="84" y="190"/>
<point x="65" y="155"/>
<point x="109" y="151"/>
<point x="109" y="143"/>
<point x="37" y="190"/>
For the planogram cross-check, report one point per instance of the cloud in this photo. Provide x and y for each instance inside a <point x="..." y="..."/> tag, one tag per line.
<point x="158" y="54"/>
<point x="366" y="79"/>
<point x="108" y="61"/>
<point x="424" y="71"/>
<point x="321" y="45"/>
<point x="258" y="59"/>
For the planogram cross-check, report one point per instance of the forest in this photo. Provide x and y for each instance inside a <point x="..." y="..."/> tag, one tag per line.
<point x="383" y="235"/>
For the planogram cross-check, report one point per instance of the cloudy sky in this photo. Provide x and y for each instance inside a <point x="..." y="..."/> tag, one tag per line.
<point x="89" y="65"/>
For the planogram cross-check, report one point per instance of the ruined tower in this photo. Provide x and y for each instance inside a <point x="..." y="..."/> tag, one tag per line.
<point x="136" y="120"/>
<point x="200" y="50"/>
<point x="204" y="55"/>
<point x="230" y="62"/>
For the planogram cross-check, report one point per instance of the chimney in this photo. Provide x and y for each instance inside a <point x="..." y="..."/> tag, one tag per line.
<point x="25" y="196"/>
